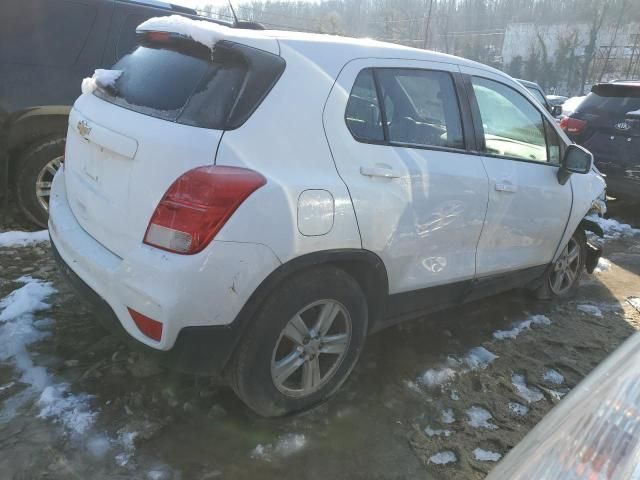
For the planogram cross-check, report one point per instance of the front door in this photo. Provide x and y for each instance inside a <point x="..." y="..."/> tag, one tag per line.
<point x="528" y="208"/>
<point x="397" y="139"/>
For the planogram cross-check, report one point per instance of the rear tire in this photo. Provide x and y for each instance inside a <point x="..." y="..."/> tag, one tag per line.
<point x="34" y="173"/>
<point x="321" y="351"/>
<point x="563" y="277"/>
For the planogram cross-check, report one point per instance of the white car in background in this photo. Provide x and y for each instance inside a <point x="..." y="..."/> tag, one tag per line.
<point x="254" y="203"/>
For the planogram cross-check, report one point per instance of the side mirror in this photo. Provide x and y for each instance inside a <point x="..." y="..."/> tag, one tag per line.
<point x="576" y="160"/>
<point x="556" y="110"/>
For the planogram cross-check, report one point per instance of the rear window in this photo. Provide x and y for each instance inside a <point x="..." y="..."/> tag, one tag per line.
<point x="184" y="82"/>
<point x="611" y="99"/>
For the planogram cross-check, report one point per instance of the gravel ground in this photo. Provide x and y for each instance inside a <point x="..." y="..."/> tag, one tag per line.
<point x="442" y="398"/>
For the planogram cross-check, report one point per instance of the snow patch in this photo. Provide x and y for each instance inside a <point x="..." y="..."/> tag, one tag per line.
<point x="71" y="411"/>
<point x="529" y="394"/>
<point x="18" y="330"/>
<point x="447" y="416"/>
<point x="455" y="396"/>
<point x="614" y="229"/>
<point x="23" y="239"/>
<point x="413" y="386"/>
<point x="101" y="78"/>
<point x="479" y="358"/>
<point x="518" y="328"/>
<point x="553" y="376"/>
<point x="26" y="300"/>
<point x="486" y="456"/>
<point x="603" y="265"/>
<point x="443" y="458"/>
<point x="286" y="445"/>
<point x="436" y="377"/>
<point x="436" y="432"/>
<point x="98" y="446"/>
<point x="589" y="310"/>
<point x="478" y="417"/>
<point x="518" y="409"/>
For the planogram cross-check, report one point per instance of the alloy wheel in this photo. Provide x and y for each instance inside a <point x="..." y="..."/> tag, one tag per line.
<point x="310" y="348"/>
<point x="565" y="270"/>
<point x="44" y="180"/>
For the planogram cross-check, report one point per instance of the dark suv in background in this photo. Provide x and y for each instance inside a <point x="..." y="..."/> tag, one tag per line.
<point x="46" y="48"/>
<point x="607" y="122"/>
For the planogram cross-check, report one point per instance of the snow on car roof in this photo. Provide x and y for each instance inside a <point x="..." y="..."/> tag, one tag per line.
<point x="208" y="33"/>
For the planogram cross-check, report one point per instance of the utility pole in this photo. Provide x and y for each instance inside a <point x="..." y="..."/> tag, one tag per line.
<point x="426" y="25"/>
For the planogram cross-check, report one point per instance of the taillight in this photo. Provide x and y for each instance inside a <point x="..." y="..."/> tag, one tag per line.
<point x="572" y="125"/>
<point x="197" y="206"/>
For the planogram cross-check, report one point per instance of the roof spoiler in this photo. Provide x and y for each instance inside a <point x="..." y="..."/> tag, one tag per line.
<point x="208" y="31"/>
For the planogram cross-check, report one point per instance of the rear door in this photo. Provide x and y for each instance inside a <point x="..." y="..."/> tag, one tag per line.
<point x="397" y="135"/>
<point x="528" y="209"/>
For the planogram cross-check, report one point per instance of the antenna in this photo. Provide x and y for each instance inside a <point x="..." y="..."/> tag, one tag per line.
<point x="233" y="12"/>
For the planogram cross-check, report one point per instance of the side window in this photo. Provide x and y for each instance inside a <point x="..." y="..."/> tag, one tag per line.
<point x="512" y="126"/>
<point x="363" y="111"/>
<point x="421" y="108"/>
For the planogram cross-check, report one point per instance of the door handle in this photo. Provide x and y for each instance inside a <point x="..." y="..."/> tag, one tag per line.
<point x="506" y="187"/>
<point x="378" y="172"/>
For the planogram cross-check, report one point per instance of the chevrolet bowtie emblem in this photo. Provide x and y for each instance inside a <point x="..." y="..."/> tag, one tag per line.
<point x="83" y="128"/>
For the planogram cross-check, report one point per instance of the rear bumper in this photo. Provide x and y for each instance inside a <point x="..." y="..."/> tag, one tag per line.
<point x="197" y="298"/>
<point x="197" y="350"/>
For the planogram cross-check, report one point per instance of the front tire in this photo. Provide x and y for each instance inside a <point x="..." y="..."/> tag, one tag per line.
<point x="34" y="174"/>
<point x="303" y="343"/>
<point x="563" y="278"/>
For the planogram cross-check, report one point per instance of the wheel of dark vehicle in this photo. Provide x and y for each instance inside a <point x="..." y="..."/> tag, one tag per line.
<point x="34" y="174"/>
<point x="302" y="344"/>
<point x="563" y="278"/>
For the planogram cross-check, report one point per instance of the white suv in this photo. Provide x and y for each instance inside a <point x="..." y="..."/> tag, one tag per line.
<point x="254" y="203"/>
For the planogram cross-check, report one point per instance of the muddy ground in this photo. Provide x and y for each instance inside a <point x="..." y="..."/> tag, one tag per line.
<point x="415" y="393"/>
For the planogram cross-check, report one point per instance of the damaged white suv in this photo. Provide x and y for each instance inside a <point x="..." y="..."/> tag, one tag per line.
<point x="254" y="203"/>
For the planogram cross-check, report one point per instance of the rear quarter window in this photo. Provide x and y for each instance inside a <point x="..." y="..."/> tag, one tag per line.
<point x="44" y="32"/>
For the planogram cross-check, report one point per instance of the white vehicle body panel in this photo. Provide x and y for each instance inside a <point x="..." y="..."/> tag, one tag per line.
<point x="424" y="224"/>
<point x="117" y="172"/>
<point x="288" y="146"/>
<point x="209" y="288"/>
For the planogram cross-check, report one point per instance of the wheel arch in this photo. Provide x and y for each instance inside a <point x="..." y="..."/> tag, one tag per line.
<point x="364" y="266"/>
<point x="26" y="127"/>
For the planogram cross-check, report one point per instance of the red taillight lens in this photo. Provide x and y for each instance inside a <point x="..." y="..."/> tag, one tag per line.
<point x="572" y="125"/>
<point x="197" y="206"/>
<point x="150" y="327"/>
